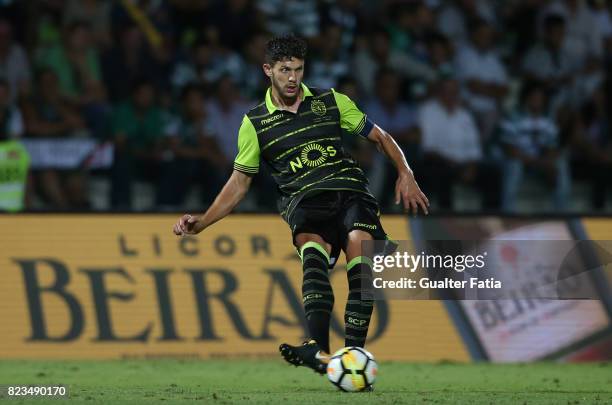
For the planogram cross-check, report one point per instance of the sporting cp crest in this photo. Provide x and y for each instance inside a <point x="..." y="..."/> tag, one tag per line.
<point x="318" y="107"/>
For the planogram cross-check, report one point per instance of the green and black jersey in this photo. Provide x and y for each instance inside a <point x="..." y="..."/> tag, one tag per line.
<point x="304" y="150"/>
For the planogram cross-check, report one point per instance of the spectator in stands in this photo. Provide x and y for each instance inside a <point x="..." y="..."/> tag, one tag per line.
<point x="583" y="38"/>
<point x="583" y="43"/>
<point x="531" y="144"/>
<point x="192" y="153"/>
<point x="48" y="115"/>
<point x="549" y="62"/>
<point x="174" y="44"/>
<point x="206" y="64"/>
<point x="347" y="15"/>
<point x="522" y="20"/>
<point x="252" y="83"/>
<point x="592" y="146"/>
<point x="454" y="17"/>
<point x="298" y="16"/>
<point x="377" y="54"/>
<point x="14" y="64"/>
<point x="11" y="120"/>
<point x="76" y="64"/>
<point x="603" y="20"/>
<point x="483" y="76"/>
<point x="185" y="16"/>
<point x="14" y="159"/>
<point x="137" y="129"/>
<point x="129" y="59"/>
<point x="235" y="21"/>
<point x="46" y="17"/>
<point x="452" y="149"/>
<point x="225" y="111"/>
<point x="439" y="57"/>
<point x="399" y="118"/>
<point x="327" y="65"/>
<point x="94" y="13"/>
<point x="440" y="54"/>
<point x="358" y="147"/>
<point x="412" y="23"/>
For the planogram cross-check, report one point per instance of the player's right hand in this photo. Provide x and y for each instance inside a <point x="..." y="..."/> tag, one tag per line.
<point x="186" y="225"/>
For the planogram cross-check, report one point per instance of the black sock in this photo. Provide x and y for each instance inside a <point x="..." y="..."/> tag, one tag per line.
<point x="317" y="294"/>
<point x="360" y="303"/>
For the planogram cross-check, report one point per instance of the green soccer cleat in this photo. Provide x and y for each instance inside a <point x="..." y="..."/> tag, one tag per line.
<point x="308" y="355"/>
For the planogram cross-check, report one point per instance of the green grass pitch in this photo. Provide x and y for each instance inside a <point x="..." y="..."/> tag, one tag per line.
<point x="271" y="381"/>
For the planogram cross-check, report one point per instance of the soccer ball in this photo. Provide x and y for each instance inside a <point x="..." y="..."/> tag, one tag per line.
<point x="352" y="369"/>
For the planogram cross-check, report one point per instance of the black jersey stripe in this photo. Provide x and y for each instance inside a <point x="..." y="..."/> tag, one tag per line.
<point x="264" y="129"/>
<point x="297" y="131"/>
<point x="256" y="117"/>
<point x="332" y="176"/>
<point x="324" y="94"/>
<point x="258" y="107"/>
<point x="315" y="169"/>
<point x="329" y="108"/>
<point x="286" y="213"/>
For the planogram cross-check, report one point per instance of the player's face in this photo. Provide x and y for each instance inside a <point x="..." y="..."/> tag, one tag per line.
<point x="286" y="77"/>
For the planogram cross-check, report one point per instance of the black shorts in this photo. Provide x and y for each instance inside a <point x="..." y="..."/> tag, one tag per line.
<point x="333" y="214"/>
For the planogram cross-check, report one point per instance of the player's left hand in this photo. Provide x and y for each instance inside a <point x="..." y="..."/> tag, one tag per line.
<point x="408" y="192"/>
<point x="187" y="225"/>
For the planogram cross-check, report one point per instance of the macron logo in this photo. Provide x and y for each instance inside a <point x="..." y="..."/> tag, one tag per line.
<point x="271" y="119"/>
<point x="365" y="225"/>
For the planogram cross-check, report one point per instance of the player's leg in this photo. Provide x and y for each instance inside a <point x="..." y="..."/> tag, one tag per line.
<point x="360" y="303"/>
<point x="318" y="299"/>
<point x="317" y="293"/>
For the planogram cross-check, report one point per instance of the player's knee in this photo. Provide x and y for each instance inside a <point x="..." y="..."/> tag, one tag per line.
<point x="357" y="235"/>
<point x="353" y="245"/>
<point x="304" y="238"/>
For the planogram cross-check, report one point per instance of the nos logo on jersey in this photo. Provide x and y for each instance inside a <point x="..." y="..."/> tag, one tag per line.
<point x="312" y="155"/>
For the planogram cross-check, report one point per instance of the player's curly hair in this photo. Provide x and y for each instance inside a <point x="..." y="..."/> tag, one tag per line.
<point x="285" y="47"/>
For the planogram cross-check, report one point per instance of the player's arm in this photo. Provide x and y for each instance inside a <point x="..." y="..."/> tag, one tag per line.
<point x="230" y="196"/>
<point x="354" y="121"/>
<point x="406" y="188"/>
<point x="246" y="165"/>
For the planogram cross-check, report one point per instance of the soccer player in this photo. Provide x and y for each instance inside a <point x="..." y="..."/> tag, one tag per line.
<point x="324" y="197"/>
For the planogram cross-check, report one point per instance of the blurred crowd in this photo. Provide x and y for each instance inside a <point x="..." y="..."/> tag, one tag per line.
<point x="490" y="97"/>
